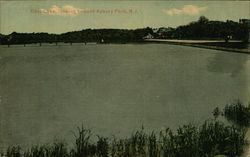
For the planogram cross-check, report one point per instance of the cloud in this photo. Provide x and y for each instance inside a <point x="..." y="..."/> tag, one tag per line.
<point x="187" y="10"/>
<point x="64" y="10"/>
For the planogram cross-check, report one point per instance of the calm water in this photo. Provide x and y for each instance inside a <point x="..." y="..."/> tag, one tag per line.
<point x="46" y="92"/>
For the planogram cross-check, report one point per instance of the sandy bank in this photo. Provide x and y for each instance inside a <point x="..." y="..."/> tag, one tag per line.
<point x="199" y="43"/>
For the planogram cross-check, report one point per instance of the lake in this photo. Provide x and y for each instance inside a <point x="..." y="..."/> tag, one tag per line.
<point x="113" y="89"/>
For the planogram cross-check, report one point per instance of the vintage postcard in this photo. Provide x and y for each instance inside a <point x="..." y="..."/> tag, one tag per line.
<point x="121" y="78"/>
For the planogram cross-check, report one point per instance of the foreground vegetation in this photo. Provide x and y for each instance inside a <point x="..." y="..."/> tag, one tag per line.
<point x="238" y="113"/>
<point x="207" y="140"/>
<point x="210" y="139"/>
<point x="235" y="112"/>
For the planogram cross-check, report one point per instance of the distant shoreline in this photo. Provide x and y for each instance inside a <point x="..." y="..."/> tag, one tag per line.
<point x="202" y="44"/>
<point x="208" y="44"/>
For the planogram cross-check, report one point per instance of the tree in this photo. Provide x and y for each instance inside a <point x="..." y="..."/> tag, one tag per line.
<point x="203" y="20"/>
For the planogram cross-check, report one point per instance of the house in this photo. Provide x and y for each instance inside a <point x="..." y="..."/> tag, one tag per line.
<point x="164" y="33"/>
<point x="149" y="36"/>
<point x="245" y="21"/>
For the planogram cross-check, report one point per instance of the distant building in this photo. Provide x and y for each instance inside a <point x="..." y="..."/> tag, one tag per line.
<point x="245" y="21"/>
<point x="155" y="30"/>
<point x="149" y="36"/>
<point x="163" y="33"/>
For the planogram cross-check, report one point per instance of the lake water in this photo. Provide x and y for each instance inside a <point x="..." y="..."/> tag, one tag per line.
<point x="113" y="89"/>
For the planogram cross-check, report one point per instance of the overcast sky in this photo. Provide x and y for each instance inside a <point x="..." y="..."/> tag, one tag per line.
<point x="63" y="16"/>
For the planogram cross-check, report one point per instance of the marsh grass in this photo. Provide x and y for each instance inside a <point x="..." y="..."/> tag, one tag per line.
<point x="216" y="138"/>
<point x="210" y="139"/>
<point x="83" y="146"/>
<point x="153" y="145"/>
<point x="139" y="142"/>
<point x="39" y="151"/>
<point x="102" y="147"/>
<point x="59" y="150"/>
<point x="14" y="151"/>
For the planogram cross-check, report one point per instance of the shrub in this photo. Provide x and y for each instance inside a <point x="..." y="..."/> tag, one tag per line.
<point x="238" y="113"/>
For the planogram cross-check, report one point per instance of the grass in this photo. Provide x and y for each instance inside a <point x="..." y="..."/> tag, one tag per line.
<point x="209" y="139"/>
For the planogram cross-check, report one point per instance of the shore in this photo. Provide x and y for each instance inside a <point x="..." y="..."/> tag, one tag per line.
<point x="202" y="44"/>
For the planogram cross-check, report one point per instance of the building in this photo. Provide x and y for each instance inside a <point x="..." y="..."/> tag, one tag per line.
<point x="162" y="32"/>
<point x="245" y="21"/>
<point x="149" y="36"/>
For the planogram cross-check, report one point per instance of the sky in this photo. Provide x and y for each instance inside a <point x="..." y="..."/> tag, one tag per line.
<point x="64" y="16"/>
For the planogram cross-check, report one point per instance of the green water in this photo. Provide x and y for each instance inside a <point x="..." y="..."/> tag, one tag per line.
<point x="46" y="92"/>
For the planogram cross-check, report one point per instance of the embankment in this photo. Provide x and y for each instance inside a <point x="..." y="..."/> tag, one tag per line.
<point x="209" y="44"/>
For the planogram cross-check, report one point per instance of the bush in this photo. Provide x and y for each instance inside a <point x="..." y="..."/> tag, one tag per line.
<point x="238" y="113"/>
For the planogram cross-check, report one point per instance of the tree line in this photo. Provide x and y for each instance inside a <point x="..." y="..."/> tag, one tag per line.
<point x="206" y="29"/>
<point x="203" y="28"/>
<point x="86" y="35"/>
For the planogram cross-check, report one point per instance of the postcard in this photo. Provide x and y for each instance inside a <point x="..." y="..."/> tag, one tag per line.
<point x="121" y="78"/>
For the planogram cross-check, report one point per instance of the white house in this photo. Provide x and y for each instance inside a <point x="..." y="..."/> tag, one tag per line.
<point x="149" y="36"/>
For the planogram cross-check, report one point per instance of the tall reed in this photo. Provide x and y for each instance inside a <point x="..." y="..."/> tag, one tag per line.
<point x="206" y="140"/>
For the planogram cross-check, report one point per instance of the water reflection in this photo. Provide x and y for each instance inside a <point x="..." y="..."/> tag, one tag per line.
<point x="232" y="64"/>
